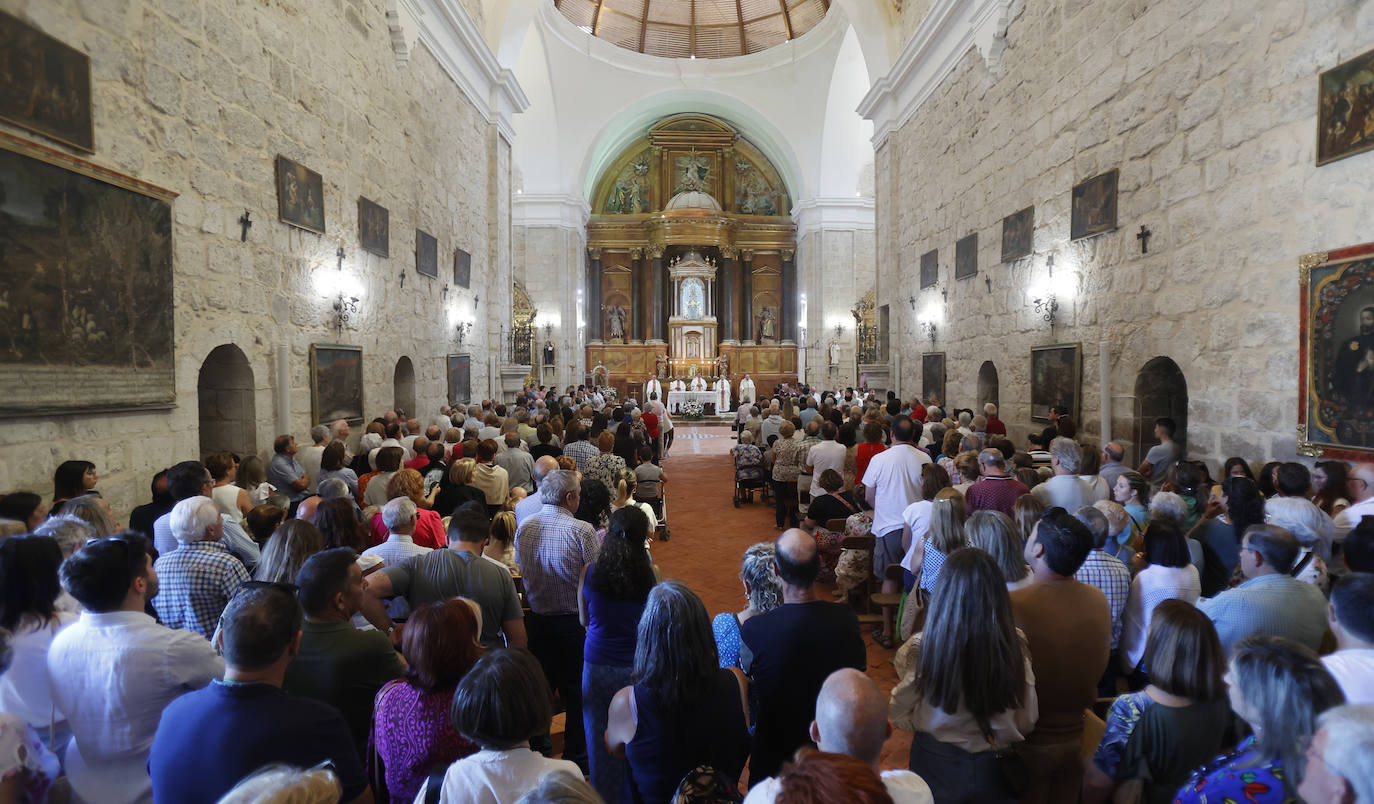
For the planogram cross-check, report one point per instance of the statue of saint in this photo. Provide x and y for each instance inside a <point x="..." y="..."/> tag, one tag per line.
<point x="615" y="318"/>
<point x="548" y="353"/>
<point x="767" y="324"/>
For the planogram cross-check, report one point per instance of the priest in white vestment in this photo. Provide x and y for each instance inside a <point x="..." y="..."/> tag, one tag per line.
<point x="723" y="392"/>
<point x="746" y="391"/>
<point x="653" y="387"/>
<point x="678" y="385"/>
<point x="698" y="383"/>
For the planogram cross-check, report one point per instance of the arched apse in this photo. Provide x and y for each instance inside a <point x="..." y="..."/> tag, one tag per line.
<point x="224" y="389"/>
<point x="1160" y="391"/>
<point x="987" y="386"/>
<point x="403" y="386"/>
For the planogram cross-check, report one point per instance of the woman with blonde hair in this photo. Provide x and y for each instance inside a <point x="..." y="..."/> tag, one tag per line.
<point x="1025" y="512"/>
<point x="457" y="488"/>
<point x="94" y="510"/>
<point x="946" y="535"/>
<point x="429" y="526"/>
<point x="625" y="496"/>
<point x="788" y="455"/>
<point x="501" y="547"/>
<point x="287" y="549"/>
<point x="994" y="533"/>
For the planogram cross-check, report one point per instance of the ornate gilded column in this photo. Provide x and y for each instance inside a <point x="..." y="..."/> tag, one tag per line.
<point x="594" y="316"/>
<point x="637" y="295"/>
<point x="746" y="323"/>
<point x="789" y="297"/>
<point x="657" y="290"/>
<point x="725" y="293"/>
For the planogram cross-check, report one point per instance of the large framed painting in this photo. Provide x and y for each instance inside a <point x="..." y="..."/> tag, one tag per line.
<point x="462" y="268"/>
<point x="336" y="383"/>
<point x="459" y="379"/>
<point x="300" y="195"/>
<point x="45" y="86"/>
<point x="374" y="227"/>
<point x="85" y="286"/>
<point x="1336" y="354"/>
<point x="1056" y="379"/>
<point x="930" y="268"/>
<point x="933" y="378"/>
<point x="1345" y="109"/>
<point x="1017" y="229"/>
<point x="966" y="256"/>
<point x="426" y="254"/>
<point x="1094" y="206"/>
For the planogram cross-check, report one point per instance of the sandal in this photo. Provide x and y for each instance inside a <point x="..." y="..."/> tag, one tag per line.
<point x="883" y="641"/>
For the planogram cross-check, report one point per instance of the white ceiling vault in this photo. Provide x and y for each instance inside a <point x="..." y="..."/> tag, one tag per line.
<point x="707" y="29"/>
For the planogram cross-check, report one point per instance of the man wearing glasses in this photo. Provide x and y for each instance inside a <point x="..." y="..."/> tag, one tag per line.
<point x="1361" y="488"/>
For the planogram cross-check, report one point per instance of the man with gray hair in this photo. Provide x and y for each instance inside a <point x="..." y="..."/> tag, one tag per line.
<point x="1112" y="576"/>
<point x="516" y="460"/>
<point x="1269" y="602"/>
<point x="1064" y="489"/>
<point x="995" y="425"/>
<point x="552" y="549"/>
<point x="309" y="457"/>
<point x="399" y="517"/>
<point x="533" y="503"/>
<point x="851" y="719"/>
<point x="1340" y="758"/>
<point x="1112" y="467"/>
<point x="996" y="490"/>
<point x="199" y="577"/>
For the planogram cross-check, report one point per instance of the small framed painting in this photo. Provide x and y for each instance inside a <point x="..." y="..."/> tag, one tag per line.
<point x="426" y="254"/>
<point x="46" y="85"/>
<point x="459" y="379"/>
<point x="930" y="268"/>
<point x="933" y="378"/>
<point x="1056" y="379"/>
<point x="966" y="256"/>
<point x="374" y="227"/>
<point x="1016" y="234"/>
<point x="462" y="268"/>
<point x="1345" y="109"/>
<point x="336" y="383"/>
<point x="300" y="195"/>
<point x="1094" y="206"/>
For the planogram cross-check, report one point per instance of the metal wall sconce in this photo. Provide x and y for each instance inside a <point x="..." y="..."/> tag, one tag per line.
<point x="461" y="330"/>
<point x="345" y="311"/>
<point x="928" y="327"/>
<point x="1046" y="308"/>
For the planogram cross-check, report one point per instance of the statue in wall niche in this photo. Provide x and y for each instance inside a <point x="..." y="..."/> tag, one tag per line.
<point x="615" y="322"/>
<point x="548" y="353"/>
<point x="767" y="326"/>
<point x="661" y="365"/>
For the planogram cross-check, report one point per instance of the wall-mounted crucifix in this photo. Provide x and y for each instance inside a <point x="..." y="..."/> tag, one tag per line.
<point x="1144" y="237"/>
<point x="246" y="223"/>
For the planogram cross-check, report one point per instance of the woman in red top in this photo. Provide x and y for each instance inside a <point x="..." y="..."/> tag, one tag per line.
<point x="872" y="445"/>
<point x="429" y="527"/>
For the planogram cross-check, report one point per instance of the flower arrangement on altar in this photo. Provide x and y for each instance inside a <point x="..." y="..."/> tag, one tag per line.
<point x="692" y="409"/>
<point x="610" y="393"/>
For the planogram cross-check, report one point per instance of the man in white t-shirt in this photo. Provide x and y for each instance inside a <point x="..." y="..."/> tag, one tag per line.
<point x="1360" y="487"/>
<point x="1351" y="616"/>
<point x="851" y="719"/>
<point x="828" y="454"/>
<point x="1065" y="489"/>
<point x="892" y="481"/>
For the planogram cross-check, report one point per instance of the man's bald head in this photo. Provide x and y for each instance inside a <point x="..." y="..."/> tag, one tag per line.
<point x="798" y="560"/>
<point x="851" y="716"/>
<point x="545" y="464"/>
<point x="1364" y="472"/>
<point x="306" y="510"/>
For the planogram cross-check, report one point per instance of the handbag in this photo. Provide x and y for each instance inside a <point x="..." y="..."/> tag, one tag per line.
<point x="1011" y="766"/>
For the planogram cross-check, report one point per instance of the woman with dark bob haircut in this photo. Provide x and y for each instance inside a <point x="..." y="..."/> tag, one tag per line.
<point x="1163" y="573"/>
<point x="72" y="479"/>
<point x="500" y="704"/>
<point x="28" y="608"/>
<point x="412" y="729"/>
<point x="1180" y="716"/>
<point x="686" y="711"/>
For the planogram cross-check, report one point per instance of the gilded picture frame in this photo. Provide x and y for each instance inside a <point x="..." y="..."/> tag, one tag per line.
<point x="1335" y="342"/>
<point x="1345" y="109"/>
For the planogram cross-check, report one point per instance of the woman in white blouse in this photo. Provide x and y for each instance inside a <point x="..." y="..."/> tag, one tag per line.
<point x="1164" y="572"/>
<point x="28" y="608"/>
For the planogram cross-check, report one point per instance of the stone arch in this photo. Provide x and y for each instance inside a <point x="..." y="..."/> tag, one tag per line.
<point x="1160" y="390"/>
<point x="988" y="389"/>
<point x="403" y="386"/>
<point x="228" y="416"/>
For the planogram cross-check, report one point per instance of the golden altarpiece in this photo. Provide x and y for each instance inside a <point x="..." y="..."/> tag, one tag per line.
<point x="691" y="262"/>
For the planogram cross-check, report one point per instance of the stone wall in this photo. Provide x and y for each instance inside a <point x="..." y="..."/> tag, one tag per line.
<point x="834" y="269"/>
<point x="550" y="261"/>
<point x="1208" y="110"/>
<point x="199" y="98"/>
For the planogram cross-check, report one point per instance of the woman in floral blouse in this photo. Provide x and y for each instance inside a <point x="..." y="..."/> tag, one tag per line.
<point x="787" y="463"/>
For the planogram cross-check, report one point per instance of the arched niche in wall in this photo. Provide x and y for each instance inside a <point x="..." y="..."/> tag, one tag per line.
<point x="987" y="386"/>
<point x="403" y="386"/>
<point x="1160" y="391"/>
<point x="228" y="420"/>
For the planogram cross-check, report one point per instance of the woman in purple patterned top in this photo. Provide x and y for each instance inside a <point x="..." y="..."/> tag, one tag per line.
<point x="412" y="731"/>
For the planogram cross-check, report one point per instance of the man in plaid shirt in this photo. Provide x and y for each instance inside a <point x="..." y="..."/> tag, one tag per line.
<point x="201" y="575"/>
<point x="1112" y="576"/>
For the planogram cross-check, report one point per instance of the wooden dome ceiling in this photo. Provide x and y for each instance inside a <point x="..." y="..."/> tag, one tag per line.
<point x="705" y="29"/>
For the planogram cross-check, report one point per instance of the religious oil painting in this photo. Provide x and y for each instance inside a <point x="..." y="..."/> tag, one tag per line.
<point x="930" y="268"/>
<point x="374" y="227"/>
<point x="85" y="286"/>
<point x="336" y="383"/>
<point x="462" y="268"/>
<point x="1016" y="234"/>
<point x="1345" y="109"/>
<point x="1056" y="379"/>
<point x="933" y="378"/>
<point x="300" y="195"/>
<point x="45" y="86"/>
<point x="426" y="254"/>
<point x="966" y="256"/>
<point x="1336" y="354"/>
<point x="1094" y="206"/>
<point x="459" y="379"/>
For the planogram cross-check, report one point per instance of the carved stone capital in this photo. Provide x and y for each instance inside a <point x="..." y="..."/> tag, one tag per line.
<point x="746" y="254"/>
<point x="788" y="254"/>
<point x="637" y="253"/>
<point x="656" y="251"/>
<point x="594" y="252"/>
<point x="729" y="252"/>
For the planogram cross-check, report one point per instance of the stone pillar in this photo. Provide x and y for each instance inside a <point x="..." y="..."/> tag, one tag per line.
<point x="746" y="322"/>
<point x="594" y="294"/>
<point x="637" y="317"/>
<point x="788" y="324"/>
<point x="658" y="292"/>
<point x="725" y="287"/>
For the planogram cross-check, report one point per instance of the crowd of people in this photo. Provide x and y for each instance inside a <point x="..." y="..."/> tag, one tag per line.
<point x="397" y="616"/>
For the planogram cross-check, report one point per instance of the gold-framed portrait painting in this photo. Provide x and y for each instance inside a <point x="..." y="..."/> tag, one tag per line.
<point x="1336" y="353"/>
